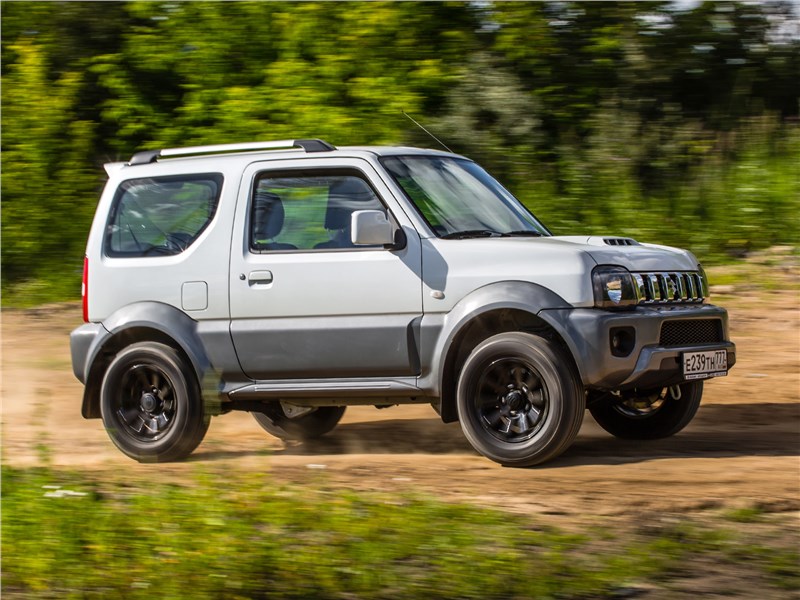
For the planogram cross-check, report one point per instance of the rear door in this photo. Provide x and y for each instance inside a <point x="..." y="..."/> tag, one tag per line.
<point x="306" y="303"/>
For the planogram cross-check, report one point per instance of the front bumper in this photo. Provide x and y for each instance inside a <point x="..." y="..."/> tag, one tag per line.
<point x="648" y="361"/>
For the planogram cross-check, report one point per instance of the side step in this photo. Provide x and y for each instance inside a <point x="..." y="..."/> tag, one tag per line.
<point x="327" y="393"/>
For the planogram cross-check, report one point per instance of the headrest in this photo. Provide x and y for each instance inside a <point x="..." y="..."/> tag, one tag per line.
<point x="268" y="215"/>
<point x="347" y="194"/>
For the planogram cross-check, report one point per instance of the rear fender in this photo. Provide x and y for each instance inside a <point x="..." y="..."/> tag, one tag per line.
<point x="147" y="321"/>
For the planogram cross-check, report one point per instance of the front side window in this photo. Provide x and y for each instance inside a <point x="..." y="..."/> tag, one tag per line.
<point x="459" y="199"/>
<point x="307" y="210"/>
<point x="159" y="216"/>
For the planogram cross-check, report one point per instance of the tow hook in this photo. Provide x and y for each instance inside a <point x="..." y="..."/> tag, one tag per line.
<point x="675" y="392"/>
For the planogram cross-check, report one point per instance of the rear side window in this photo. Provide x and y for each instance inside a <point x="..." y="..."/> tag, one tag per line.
<point x="158" y="216"/>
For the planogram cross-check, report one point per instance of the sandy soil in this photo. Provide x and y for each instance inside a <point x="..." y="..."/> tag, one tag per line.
<point x="741" y="450"/>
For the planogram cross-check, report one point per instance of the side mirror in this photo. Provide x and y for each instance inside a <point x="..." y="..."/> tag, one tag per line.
<point x="371" y="228"/>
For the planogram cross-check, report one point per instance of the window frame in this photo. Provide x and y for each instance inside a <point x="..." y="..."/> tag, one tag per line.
<point x="113" y="213"/>
<point x="299" y="172"/>
<point x="434" y="230"/>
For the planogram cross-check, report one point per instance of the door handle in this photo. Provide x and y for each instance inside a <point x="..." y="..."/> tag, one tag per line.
<point x="259" y="277"/>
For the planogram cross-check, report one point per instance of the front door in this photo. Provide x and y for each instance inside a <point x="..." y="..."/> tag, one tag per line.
<point x="307" y="303"/>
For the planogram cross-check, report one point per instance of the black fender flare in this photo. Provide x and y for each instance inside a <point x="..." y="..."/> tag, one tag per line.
<point x="145" y="321"/>
<point x="514" y="295"/>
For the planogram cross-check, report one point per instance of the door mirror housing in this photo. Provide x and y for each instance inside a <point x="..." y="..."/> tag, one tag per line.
<point x="371" y="228"/>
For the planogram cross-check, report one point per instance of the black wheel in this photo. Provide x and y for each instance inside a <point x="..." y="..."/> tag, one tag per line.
<point x="520" y="400"/>
<point x="648" y="414"/>
<point x="151" y="405"/>
<point x="307" y="425"/>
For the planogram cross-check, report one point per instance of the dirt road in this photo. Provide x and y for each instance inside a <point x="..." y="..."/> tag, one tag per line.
<point x="742" y="450"/>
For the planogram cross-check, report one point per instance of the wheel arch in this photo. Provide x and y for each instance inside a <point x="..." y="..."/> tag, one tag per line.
<point x="143" y="322"/>
<point x="496" y="308"/>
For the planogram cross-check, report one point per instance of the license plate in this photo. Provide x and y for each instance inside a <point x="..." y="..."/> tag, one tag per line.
<point x="700" y="365"/>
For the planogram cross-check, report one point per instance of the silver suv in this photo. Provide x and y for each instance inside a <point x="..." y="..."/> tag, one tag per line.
<point x="291" y="279"/>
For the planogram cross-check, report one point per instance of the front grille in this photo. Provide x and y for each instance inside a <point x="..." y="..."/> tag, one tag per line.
<point x="690" y="332"/>
<point x="685" y="287"/>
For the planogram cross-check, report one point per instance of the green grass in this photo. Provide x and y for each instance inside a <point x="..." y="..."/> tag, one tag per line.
<point x="243" y="536"/>
<point x="749" y="514"/>
<point x="780" y="565"/>
<point x="43" y="289"/>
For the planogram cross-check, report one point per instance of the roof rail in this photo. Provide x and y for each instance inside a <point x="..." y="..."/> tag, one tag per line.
<point x="151" y="156"/>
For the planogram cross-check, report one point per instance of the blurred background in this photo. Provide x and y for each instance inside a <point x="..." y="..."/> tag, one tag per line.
<point x="671" y="122"/>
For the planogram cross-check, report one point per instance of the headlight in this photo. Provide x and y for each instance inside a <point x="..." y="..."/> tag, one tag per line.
<point x="613" y="287"/>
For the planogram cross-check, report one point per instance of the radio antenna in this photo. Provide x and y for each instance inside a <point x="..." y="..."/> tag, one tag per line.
<point x="426" y="131"/>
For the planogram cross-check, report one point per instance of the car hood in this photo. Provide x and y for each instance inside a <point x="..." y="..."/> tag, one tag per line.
<point x="561" y="264"/>
<point x="629" y="253"/>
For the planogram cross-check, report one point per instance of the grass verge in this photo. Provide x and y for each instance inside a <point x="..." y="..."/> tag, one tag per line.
<point x="241" y="536"/>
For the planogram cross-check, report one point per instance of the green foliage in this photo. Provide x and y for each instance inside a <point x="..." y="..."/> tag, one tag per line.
<point x="717" y="207"/>
<point x="65" y="535"/>
<point x="669" y="123"/>
<point x="750" y="514"/>
<point x="48" y="186"/>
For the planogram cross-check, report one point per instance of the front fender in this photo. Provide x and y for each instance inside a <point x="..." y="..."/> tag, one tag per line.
<point x="515" y="295"/>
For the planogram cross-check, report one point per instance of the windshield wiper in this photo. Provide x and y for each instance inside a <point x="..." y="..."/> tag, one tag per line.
<point x="476" y="233"/>
<point x="470" y="233"/>
<point x="522" y="233"/>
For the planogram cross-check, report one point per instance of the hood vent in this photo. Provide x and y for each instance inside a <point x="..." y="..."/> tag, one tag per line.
<point x="618" y="241"/>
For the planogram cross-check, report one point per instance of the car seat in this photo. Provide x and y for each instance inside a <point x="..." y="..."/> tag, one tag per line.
<point x="268" y="217"/>
<point x="344" y="197"/>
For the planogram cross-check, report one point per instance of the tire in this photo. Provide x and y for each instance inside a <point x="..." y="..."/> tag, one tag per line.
<point x="305" y="427"/>
<point x="643" y="415"/>
<point x="520" y="400"/>
<point x="151" y="405"/>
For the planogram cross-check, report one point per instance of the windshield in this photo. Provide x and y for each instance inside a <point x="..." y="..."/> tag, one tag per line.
<point x="459" y="199"/>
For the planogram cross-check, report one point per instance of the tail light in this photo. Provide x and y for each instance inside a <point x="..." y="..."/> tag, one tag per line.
<point x="85" y="289"/>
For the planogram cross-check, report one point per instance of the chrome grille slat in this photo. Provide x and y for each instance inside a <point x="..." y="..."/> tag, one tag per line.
<point x="670" y="287"/>
<point x="662" y="287"/>
<point x="682" y="293"/>
<point x="703" y="285"/>
<point x="648" y="287"/>
<point x="691" y="285"/>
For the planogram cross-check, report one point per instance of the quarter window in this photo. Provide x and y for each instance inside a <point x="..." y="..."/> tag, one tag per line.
<point x="304" y="210"/>
<point x="159" y="216"/>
